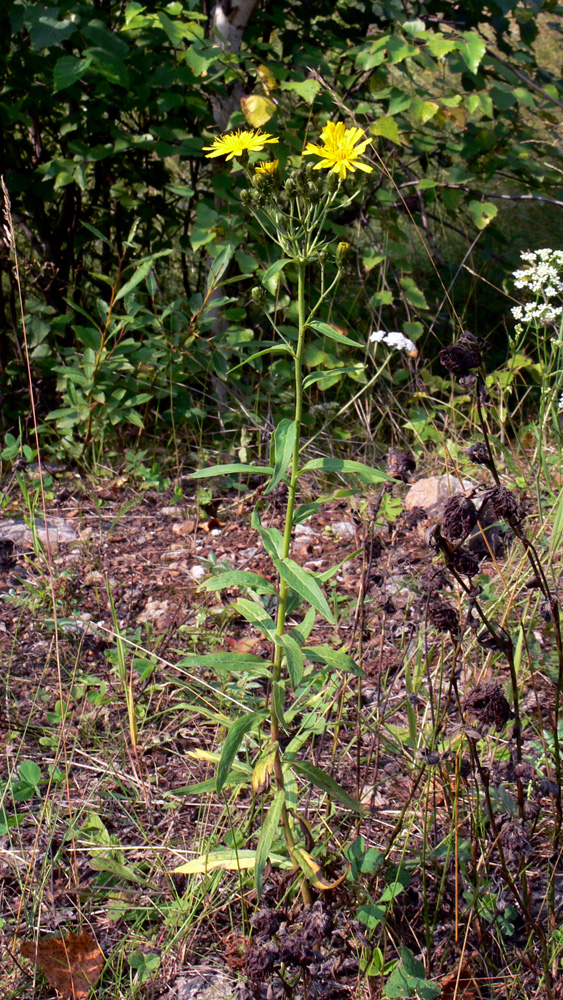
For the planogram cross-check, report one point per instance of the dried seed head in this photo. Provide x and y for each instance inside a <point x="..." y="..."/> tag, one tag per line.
<point x="478" y="453"/>
<point x="266" y="922"/>
<point x="460" y="358"/>
<point x="433" y="580"/>
<point x="488" y="704"/>
<point x="260" y="959"/>
<point x="503" y="502"/>
<point x="400" y="464"/>
<point x="317" y="923"/>
<point x="443" y="617"/>
<point x="460" y="516"/>
<point x="464" y="562"/>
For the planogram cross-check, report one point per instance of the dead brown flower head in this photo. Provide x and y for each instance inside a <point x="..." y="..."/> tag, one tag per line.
<point x="503" y="502"/>
<point x="443" y="617"/>
<point x="460" y="358"/>
<point x="460" y="516"/>
<point x="400" y="464"/>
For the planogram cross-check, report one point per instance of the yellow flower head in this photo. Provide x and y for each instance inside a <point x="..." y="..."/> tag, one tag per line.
<point x="341" y="149"/>
<point x="268" y="167"/>
<point x="234" y="144"/>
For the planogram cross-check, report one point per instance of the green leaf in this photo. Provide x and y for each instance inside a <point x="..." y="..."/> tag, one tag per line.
<point x="413" y="294"/>
<point x="347" y="466"/>
<point x="268" y="833"/>
<point x="438" y="46"/>
<point x="337" y="659"/>
<point x="307" y="89"/>
<point x="229" y="469"/>
<point x="101" y="864"/>
<point x="387" y="128"/>
<point x="239" y="578"/>
<point x="482" y="212"/>
<point x="334" y="374"/>
<point x="274" y="269"/>
<point x="224" y="661"/>
<point x="272" y="538"/>
<point x="326" y="784"/>
<point x="302" y="631"/>
<point x="472" y="50"/>
<point x="30" y="772"/>
<point x="235" y="736"/>
<point x="329" y="331"/>
<point x="408" y="980"/>
<point x="423" y="111"/>
<point x="218" y="268"/>
<point x="67" y="71"/>
<point x="143" y="269"/>
<point x="256" y="615"/>
<point x="294" y="658"/>
<point x="305" y="585"/>
<point x="274" y="349"/>
<point x="283" y="445"/>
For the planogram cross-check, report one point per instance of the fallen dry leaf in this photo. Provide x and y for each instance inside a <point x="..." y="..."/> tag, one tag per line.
<point x="459" y="985"/>
<point x="72" y="963"/>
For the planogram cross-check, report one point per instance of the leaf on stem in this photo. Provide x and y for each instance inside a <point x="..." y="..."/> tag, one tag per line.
<point x="268" y="833"/>
<point x="235" y="736"/>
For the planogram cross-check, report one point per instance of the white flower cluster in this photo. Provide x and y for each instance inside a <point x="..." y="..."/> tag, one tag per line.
<point x="542" y="277"/>
<point x="538" y="312"/>
<point x="561" y="403"/>
<point x="393" y="339"/>
<point x="542" y="273"/>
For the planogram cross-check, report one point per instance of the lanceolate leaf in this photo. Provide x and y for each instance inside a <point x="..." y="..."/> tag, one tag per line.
<point x="329" y="331"/>
<point x="326" y="784"/>
<point x="305" y="585"/>
<point x="229" y="860"/>
<point x="284" y="442"/>
<point x="228" y="470"/>
<point x="235" y="736"/>
<point x="223" y="661"/>
<point x="275" y="269"/>
<point x="349" y="466"/>
<point x="337" y="659"/>
<point x="294" y="658"/>
<point x="268" y="833"/>
<point x="256" y="615"/>
<point x="239" y="578"/>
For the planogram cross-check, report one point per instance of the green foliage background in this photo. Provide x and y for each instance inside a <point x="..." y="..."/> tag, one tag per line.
<point x="104" y="110"/>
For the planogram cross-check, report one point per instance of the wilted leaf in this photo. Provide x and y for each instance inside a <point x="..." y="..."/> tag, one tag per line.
<point x="257" y="110"/>
<point x="72" y="963"/>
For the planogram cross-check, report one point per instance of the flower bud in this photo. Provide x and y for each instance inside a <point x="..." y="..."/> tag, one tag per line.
<point x="332" y="182"/>
<point x="246" y="197"/>
<point x="259" y="296"/>
<point x="290" y="187"/>
<point x="342" y="254"/>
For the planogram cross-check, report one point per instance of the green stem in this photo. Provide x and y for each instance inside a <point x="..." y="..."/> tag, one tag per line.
<point x="283" y="591"/>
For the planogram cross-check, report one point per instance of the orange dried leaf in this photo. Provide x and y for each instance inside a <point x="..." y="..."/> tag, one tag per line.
<point x="459" y="985"/>
<point x="72" y="963"/>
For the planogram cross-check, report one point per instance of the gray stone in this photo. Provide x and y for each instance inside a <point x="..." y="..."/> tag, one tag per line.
<point x="432" y="493"/>
<point x="60" y="531"/>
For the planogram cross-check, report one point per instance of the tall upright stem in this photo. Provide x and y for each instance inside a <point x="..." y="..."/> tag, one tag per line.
<point x="294" y="475"/>
<point x="282" y="605"/>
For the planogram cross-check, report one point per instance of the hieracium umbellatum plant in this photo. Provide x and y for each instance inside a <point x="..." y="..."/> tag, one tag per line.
<point x="294" y="212"/>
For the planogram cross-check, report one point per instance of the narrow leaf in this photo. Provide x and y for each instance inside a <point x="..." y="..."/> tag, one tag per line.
<point x="305" y="585"/>
<point x="274" y="349"/>
<point x="235" y="736"/>
<point x="229" y="860"/>
<point x="239" y="578"/>
<point x="229" y="469"/>
<point x="329" y="331"/>
<point x="345" y="465"/>
<point x="284" y="442"/>
<point x="326" y="784"/>
<point x="336" y="659"/>
<point x="223" y="661"/>
<point x="270" y="829"/>
<point x="275" y="268"/>
<point x="294" y="658"/>
<point x="256" y="615"/>
<point x="140" y="274"/>
<point x="218" y="268"/>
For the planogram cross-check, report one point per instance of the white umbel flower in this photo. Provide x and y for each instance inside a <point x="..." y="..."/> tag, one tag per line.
<point x="393" y="339"/>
